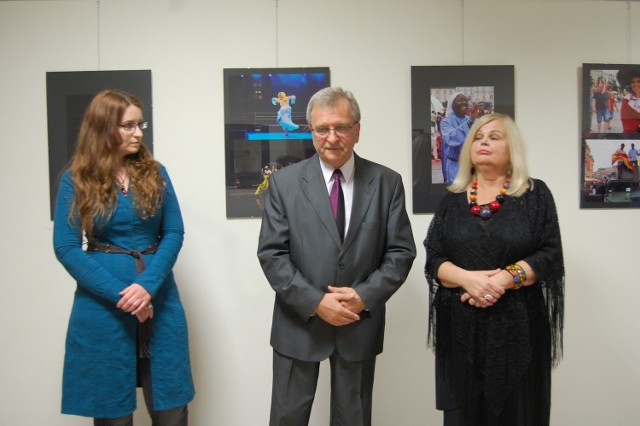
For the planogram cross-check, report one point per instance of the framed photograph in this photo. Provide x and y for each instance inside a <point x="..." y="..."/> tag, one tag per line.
<point x="265" y="129"/>
<point x="444" y="102"/>
<point x="68" y="95"/>
<point x="610" y="136"/>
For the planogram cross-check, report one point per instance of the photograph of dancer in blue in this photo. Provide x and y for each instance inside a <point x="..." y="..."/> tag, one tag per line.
<point x="284" y="113"/>
<point x="261" y="139"/>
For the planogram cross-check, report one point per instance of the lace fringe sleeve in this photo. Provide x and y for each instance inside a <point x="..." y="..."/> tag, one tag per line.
<point x="435" y="258"/>
<point x="548" y="262"/>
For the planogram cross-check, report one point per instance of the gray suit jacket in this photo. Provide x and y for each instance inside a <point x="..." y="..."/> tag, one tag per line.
<point x="301" y="254"/>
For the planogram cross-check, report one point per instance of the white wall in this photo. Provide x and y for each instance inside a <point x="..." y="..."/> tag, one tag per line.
<point x="369" y="46"/>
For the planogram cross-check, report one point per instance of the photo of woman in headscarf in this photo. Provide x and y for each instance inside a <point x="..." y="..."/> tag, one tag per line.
<point x="455" y="127"/>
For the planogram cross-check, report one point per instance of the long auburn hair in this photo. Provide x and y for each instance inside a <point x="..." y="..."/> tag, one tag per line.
<point x="94" y="164"/>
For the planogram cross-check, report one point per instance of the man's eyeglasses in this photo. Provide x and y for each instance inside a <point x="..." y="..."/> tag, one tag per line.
<point x="131" y="127"/>
<point x="339" y="130"/>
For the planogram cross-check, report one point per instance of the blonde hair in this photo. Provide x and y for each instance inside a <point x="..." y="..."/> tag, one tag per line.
<point x="520" y="180"/>
<point x="94" y="163"/>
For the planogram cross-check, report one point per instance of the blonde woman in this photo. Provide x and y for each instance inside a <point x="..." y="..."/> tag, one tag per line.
<point x="496" y="278"/>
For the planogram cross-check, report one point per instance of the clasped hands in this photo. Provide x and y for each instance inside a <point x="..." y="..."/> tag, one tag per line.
<point x="484" y="288"/>
<point x="137" y="301"/>
<point x="340" y="306"/>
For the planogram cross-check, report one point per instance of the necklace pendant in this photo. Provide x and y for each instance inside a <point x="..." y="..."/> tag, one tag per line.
<point x="122" y="184"/>
<point x="485" y="212"/>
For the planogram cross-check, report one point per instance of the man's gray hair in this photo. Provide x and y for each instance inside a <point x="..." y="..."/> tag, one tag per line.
<point x="330" y="96"/>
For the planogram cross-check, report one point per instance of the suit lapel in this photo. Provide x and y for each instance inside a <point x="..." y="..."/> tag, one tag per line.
<point x="363" y="190"/>
<point x="315" y="189"/>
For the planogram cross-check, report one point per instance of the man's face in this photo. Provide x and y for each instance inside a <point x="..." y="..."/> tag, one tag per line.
<point x="335" y="147"/>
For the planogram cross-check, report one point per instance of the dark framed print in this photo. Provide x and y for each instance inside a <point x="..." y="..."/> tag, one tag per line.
<point x="265" y="129"/>
<point x="610" y="136"/>
<point x="443" y="100"/>
<point x="69" y="94"/>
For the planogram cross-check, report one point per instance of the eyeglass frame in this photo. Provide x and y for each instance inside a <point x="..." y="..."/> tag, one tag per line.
<point x="338" y="130"/>
<point x="131" y="127"/>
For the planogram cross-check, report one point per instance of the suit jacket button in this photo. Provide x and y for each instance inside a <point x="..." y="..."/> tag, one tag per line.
<point x="341" y="265"/>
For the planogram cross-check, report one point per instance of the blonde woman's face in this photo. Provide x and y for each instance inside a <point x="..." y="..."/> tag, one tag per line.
<point x="490" y="147"/>
<point x="131" y="140"/>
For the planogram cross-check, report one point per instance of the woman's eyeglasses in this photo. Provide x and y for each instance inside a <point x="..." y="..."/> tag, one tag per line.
<point x="131" y="127"/>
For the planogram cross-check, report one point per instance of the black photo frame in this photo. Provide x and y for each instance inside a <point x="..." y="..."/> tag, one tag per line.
<point x="610" y="137"/>
<point x="265" y="129"/>
<point x="69" y="94"/>
<point x="496" y="81"/>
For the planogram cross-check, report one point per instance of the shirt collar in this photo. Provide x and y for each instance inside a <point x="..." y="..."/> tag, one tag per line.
<point x="347" y="169"/>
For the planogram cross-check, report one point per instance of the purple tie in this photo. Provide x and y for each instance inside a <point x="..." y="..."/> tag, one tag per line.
<point x="337" y="202"/>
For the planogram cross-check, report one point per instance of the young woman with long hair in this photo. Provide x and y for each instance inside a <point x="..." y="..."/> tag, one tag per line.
<point x="127" y="326"/>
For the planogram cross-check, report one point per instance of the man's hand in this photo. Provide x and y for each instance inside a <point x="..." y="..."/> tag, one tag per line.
<point x="354" y="302"/>
<point x="332" y="310"/>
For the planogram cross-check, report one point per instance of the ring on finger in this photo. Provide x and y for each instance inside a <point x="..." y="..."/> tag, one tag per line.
<point x="487" y="296"/>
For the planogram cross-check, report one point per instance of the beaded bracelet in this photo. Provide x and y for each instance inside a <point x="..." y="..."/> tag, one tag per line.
<point x="519" y="276"/>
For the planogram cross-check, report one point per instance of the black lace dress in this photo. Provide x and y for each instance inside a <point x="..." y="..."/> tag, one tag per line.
<point x="500" y="357"/>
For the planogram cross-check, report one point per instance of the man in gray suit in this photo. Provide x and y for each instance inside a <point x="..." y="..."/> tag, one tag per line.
<point x="331" y="284"/>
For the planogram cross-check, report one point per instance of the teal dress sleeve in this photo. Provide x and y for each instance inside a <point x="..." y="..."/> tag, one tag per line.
<point x="170" y="241"/>
<point x="67" y="244"/>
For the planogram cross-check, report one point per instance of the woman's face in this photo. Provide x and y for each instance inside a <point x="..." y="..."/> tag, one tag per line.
<point x="490" y="147"/>
<point x="460" y="105"/>
<point x="635" y="85"/>
<point x="131" y="139"/>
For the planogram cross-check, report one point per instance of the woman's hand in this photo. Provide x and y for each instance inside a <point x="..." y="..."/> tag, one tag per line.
<point x="482" y="288"/>
<point x="134" y="299"/>
<point x="145" y="314"/>
<point x="476" y="111"/>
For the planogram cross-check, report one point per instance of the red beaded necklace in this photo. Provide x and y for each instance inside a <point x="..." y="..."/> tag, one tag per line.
<point x="485" y="211"/>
